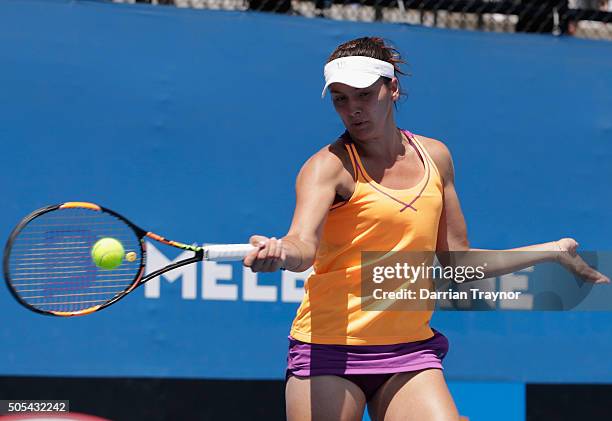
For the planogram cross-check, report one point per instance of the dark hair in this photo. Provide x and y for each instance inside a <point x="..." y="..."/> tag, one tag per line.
<point x="374" y="47"/>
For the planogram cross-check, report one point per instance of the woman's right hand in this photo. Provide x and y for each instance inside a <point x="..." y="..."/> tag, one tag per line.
<point x="269" y="255"/>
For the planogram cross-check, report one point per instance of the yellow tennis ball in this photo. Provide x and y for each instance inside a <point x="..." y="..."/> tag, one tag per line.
<point x="107" y="253"/>
<point x="130" y="256"/>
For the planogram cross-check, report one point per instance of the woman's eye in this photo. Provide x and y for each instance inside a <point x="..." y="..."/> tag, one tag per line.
<point x="362" y="94"/>
<point x="338" y="99"/>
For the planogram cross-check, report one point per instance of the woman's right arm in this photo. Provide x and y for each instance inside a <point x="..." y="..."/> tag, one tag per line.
<point x="316" y="186"/>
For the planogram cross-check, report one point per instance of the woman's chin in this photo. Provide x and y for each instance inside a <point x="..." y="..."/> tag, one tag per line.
<point x="362" y="131"/>
<point x="364" y="136"/>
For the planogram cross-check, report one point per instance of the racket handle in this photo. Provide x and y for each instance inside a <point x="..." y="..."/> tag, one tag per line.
<point x="227" y="252"/>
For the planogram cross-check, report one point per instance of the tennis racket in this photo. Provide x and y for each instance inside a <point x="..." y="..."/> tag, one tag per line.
<point x="49" y="268"/>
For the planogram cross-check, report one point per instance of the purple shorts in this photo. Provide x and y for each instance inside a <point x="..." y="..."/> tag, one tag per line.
<point x="368" y="366"/>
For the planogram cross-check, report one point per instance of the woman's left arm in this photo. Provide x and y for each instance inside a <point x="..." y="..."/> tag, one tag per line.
<point x="452" y="235"/>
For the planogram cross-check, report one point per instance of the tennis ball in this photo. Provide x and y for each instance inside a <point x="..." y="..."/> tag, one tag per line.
<point x="107" y="253"/>
<point x="131" y="256"/>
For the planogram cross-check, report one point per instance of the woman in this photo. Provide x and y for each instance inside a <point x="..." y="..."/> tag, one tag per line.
<point x="375" y="188"/>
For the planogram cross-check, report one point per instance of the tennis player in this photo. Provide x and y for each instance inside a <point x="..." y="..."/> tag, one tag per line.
<point x="377" y="187"/>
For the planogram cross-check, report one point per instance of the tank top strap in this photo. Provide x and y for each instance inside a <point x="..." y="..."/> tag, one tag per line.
<point x="429" y="162"/>
<point x="351" y="153"/>
<point x="357" y="164"/>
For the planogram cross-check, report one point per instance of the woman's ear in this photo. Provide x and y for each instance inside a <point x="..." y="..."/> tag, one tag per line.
<point x="394" y="86"/>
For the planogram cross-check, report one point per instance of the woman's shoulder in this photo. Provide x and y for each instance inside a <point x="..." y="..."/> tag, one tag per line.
<point x="330" y="160"/>
<point x="438" y="152"/>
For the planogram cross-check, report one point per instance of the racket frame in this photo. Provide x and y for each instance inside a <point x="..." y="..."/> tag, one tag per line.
<point x="139" y="279"/>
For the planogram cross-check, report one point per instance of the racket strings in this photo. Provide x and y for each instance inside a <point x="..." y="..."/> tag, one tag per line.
<point x="51" y="266"/>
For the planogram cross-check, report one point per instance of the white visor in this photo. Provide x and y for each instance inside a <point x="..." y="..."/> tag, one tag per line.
<point x="356" y="71"/>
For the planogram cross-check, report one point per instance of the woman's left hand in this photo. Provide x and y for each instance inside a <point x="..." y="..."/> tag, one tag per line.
<point x="571" y="260"/>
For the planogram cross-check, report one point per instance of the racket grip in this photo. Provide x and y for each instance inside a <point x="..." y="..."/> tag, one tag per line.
<point x="227" y="252"/>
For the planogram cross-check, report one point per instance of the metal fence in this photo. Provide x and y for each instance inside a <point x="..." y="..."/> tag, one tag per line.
<point x="580" y="18"/>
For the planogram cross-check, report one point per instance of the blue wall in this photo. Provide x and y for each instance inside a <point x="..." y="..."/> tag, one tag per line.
<point x="194" y="123"/>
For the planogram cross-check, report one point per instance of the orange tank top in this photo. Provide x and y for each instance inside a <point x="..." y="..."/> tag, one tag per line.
<point x="374" y="218"/>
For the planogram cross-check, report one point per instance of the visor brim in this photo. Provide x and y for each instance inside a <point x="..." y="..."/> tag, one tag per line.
<point x="356" y="80"/>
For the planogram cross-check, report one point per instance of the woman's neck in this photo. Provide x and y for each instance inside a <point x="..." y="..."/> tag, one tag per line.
<point x="387" y="148"/>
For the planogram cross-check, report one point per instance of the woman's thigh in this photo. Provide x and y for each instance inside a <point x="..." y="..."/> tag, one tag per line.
<point x="323" y="398"/>
<point x="414" y="396"/>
